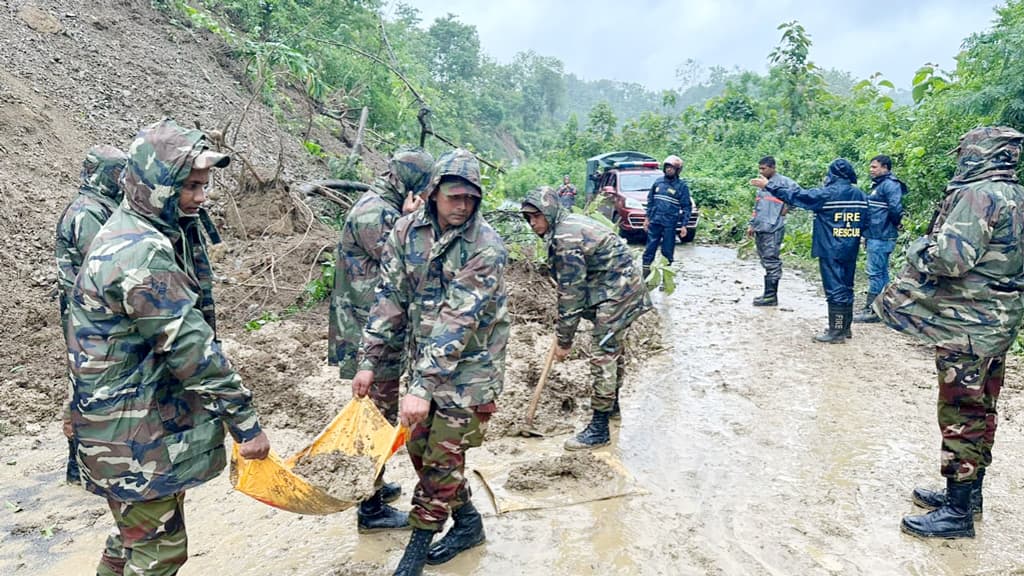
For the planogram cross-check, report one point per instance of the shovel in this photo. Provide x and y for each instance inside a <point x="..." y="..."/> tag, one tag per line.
<point x="531" y="410"/>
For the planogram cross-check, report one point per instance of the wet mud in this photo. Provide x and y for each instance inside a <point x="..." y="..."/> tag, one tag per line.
<point x="758" y="450"/>
<point x="344" y="476"/>
<point x="569" y="472"/>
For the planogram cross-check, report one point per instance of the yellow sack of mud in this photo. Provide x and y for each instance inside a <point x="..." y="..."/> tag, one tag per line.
<point x="358" y="430"/>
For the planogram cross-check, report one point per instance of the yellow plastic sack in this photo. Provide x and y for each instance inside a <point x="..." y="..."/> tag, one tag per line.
<point x="359" y="429"/>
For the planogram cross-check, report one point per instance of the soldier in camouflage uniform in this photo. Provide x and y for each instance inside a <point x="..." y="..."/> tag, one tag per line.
<point x="357" y="273"/>
<point x="442" y="286"/>
<point x="599" y="280"/>
<point x="98" y="197"/>
<point x="153" y="391"/>
<point x="961" y="292"/>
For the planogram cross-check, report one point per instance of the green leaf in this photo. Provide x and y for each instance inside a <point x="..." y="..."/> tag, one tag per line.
<point x="48" y="531"/>
<point x="12" y="507"/>
<point x="887" y="84"/>
<point x="922" y="73"/>
<point x="918" y="92"/>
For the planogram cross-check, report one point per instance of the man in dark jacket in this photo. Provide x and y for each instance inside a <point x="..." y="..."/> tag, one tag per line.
<point x="668" y="208"/>
<point x="768" y="227"/>
<point x="885" y="211"/>
<point x="839" y="208"/>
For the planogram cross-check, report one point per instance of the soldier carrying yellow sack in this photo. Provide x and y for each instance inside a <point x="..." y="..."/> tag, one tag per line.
<point x="357" y="273"/>
<point x="153" y="391"/>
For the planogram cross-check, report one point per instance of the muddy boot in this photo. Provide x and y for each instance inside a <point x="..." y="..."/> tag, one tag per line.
<point x="466" y="533"/>
<point x="952" y="520"/>
<point x="390" y="492"/>
<point x="932" y="499"/>
<point x="593" y="436"/>
<point x="836" y="326"/>
<point x="374" y="515"/>
<point x="415" y="553"/>
<point x="771" y="293"/>
<point x="848" y="321"/>
<point x="867" y="315"/>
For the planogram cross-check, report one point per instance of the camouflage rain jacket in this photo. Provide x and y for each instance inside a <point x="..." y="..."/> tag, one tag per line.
<point x="152" y="389"/>
<point x="357" y="272"/>
<point x="446" y="290"/>
<point x="597" y="277"/>
<point x="961" y="287"/>
<point x="97" y="198"/>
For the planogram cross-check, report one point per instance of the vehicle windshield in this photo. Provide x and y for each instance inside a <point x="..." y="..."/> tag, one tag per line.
<point x="637" y="180"/>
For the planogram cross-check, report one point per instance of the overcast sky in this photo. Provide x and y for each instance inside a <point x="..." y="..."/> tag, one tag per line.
<point x="645" y="41"/>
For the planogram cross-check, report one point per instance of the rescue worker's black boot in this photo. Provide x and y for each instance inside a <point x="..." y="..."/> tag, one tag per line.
<point x="374" y="515"/>
<point x="932" y="499"/>
<point x="593" y="436"/>
<point x="952" y="520"/>
<point x="467" y="532"/>
<point x="771" y="293"/>
<point x="848" y="321"/>
<point x="415" y="556"/>
<point x="390" y="492"/>
<point x="836" y="326"/>
<point x="867" y="314"/>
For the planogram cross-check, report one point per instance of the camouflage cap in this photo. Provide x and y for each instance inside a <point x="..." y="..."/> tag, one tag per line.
<point x="159" y="161"/>
<point x="988" y="153"/>
<point x="460" y="163"/>
<point x="102" y="169"/>
<point x="545" y="200"/>
<point x="413" y="167"/>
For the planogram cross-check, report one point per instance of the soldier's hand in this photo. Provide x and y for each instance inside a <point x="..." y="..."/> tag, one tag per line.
<point x="750" y="232"/>
<point x="361" y="383"/>
<point x="562" y="353"/>
<point x="412" y="203"/>
<point x="67" y="428"/>
<point x="759" y="182"/>
<point x="256" y="449"/>
<point x="413" y="410"/>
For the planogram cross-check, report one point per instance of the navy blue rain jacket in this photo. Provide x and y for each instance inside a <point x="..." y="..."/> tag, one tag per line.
<point x="668" y="203"/>
<point x="840" y="211"/>
<point x="885" y="208"/>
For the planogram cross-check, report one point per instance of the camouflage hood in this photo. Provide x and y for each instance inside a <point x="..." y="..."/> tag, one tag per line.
<point x="412" y="167"/>
<point x="841" y="169"/>
<point x="547" y="202"/>
<point x="989" y="153"/>
<point x="101" y="170"/>
<point x="461" y="163"/>
<point x="159" y="161"/>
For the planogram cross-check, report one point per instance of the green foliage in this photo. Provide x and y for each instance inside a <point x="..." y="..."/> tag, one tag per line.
<point x="661" y="275"/>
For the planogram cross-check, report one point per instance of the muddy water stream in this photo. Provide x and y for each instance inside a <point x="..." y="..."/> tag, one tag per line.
<point x="760" y="453"/>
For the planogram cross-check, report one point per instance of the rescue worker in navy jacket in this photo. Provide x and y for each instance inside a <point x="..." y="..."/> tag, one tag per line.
<point x="668" y="208"/>
<point x="885" y="211"/>
<point x="840" y="210"/>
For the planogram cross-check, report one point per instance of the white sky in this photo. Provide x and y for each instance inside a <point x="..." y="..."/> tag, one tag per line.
<point x="645" y="41"/>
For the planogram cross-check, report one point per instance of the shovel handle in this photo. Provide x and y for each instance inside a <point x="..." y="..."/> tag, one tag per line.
<point x="532" y="409"/>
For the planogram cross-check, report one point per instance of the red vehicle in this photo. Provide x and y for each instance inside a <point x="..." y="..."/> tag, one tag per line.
<point x="622" y="185"/>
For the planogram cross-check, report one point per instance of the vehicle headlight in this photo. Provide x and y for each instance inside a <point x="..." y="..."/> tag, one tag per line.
<point x="634" y="204"/>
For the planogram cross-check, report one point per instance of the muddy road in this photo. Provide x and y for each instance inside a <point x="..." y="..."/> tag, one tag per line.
<point x="757" y="451"/>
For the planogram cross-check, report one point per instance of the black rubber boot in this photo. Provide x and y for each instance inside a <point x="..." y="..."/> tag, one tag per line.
<point x="952" y="520"/>
<point x="836" y="326"/>
<point x="74" y="474"/>
<point x="467" y="532"/>
<point x="374" y="515"/>
<point x="932" y="499"/>
<point x="593" y="436"/>
<point x="390" y="492"/>
<point x="847" y="321"/>
<point x="415" y="556"/>
<point x="867" y="314"/>
<point x="771" y="293"/>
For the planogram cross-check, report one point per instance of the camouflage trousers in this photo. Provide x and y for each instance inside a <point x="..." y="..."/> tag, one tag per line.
<point x="607" y="368"/>
<point x="769" y="248"/>
<point x="150" y="538"/>
<point x="969" y="388"/>
<point x="437" y="447"/>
